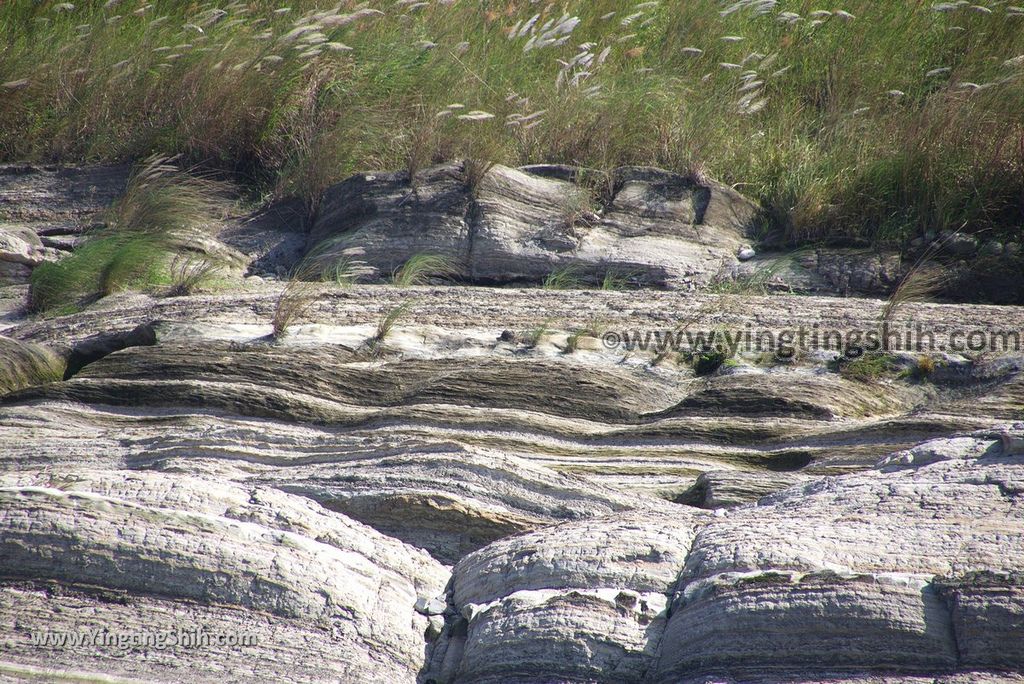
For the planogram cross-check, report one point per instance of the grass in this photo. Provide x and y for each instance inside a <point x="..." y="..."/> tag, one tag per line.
<point x="189" y="273"/>
<point x="565" y="278"/>
<point x="297" y="298"/>
<point x="140" y="243"/>
<point x="875" y="124"/>
<point x="922" y="281"/>
<point x="923" y="369"/>
<point x="763" y="280"/>
<point x="707" y="361"/>
<point x="616" y="280"/>
<point x="867" y="367"/>
<point x="421" y="269"/>
<point x="334" y="261"/>
<point x="535" y="336"/>
<point x="386" y="323"/>
<point x="27" y="365"/>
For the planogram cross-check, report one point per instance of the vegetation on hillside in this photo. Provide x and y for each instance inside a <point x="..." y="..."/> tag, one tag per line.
<point x="142" y="243"/>
<point x="846" y="118"/>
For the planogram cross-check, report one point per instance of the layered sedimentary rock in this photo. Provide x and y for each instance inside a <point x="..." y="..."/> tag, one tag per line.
<point x="457" y="484"/>
<point x="320" y="595"/>
<point x="520" y="225"/>
<point x="907" y="570"/>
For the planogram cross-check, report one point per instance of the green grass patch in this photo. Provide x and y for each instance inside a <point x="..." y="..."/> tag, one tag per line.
<point x="142" y="244"/>
<point x="24" y="365"/>
<point x="100" y="267"/>
<point x="869" y="367"/>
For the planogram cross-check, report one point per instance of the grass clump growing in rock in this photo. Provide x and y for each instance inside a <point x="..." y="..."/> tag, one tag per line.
<point x="386" y="324"/>
<point x="921" y="369"/>
<point x="421" y="269"/>
<point x="869" y="367"/>
<point x="189" y="273"/>
<point x="706" y="361"/>
<point x="161" y="209"/>
<point x="23" y="364"/>
<point x="534" y="337"/>
<point x="565" y="278"/>
<point x="615" y="281"/>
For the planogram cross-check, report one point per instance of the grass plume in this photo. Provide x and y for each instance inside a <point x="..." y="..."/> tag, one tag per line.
<point x="877" y="122"/>
<point x="386" y="324"/>
<point x="24" y="364"/>
<point x="421" y="269"/>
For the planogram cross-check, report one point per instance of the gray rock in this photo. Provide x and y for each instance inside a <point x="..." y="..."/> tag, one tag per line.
<point x="434" y="606"/>
<point x="20" y="244"/>
<point x="865" y="572"/>
<point x="745" y="253"/>
<point x="662" y="228"/>
<point x="324" y="597"/>
<point x="544" y="606"/>
<point x="728" y="488"/>
<point x="961" y="245"/>
<point x="12" y="273"/>
<point x="992" y="248"/>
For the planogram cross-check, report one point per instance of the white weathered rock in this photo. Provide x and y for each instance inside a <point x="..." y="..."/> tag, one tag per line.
<point x="576" y="602"/>
<point x="195" y="553"/>
<point x="20" y="244"/>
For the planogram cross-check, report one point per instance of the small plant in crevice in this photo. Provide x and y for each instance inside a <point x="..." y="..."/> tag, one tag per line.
<point x="579" y="208"/>
<point x="190" y="272"/>
<point x="565" y="278"/>
<point x="473" y="172"/>
<point x="330" y="261"/>
<point x="162" y="199"/>
<point x="535" y="336"/>
<point x="421" y="269"/>
<point x="386" y="324"/>
<point x="572" y="341"/>
<point x="780" y="357"/>
<point x="921" y="370"/>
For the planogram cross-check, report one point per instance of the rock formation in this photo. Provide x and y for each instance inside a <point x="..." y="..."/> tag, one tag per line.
<point x="496" y="490"/>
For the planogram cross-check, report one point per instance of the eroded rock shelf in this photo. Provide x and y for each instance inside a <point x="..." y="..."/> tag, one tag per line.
<point x="478" y="499"/>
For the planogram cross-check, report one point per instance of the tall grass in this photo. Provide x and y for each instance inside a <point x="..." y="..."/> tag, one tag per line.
<point x="869" y="120"/>
<point x="23" y="364"/>
<point x="141" y="243"/>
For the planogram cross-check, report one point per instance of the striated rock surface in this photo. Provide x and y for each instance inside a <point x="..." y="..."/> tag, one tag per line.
<point x="465" y="484"/>
<point x="889" y="573"/>
<point x="520" y="225"/>
<point x="322" y="597"/>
